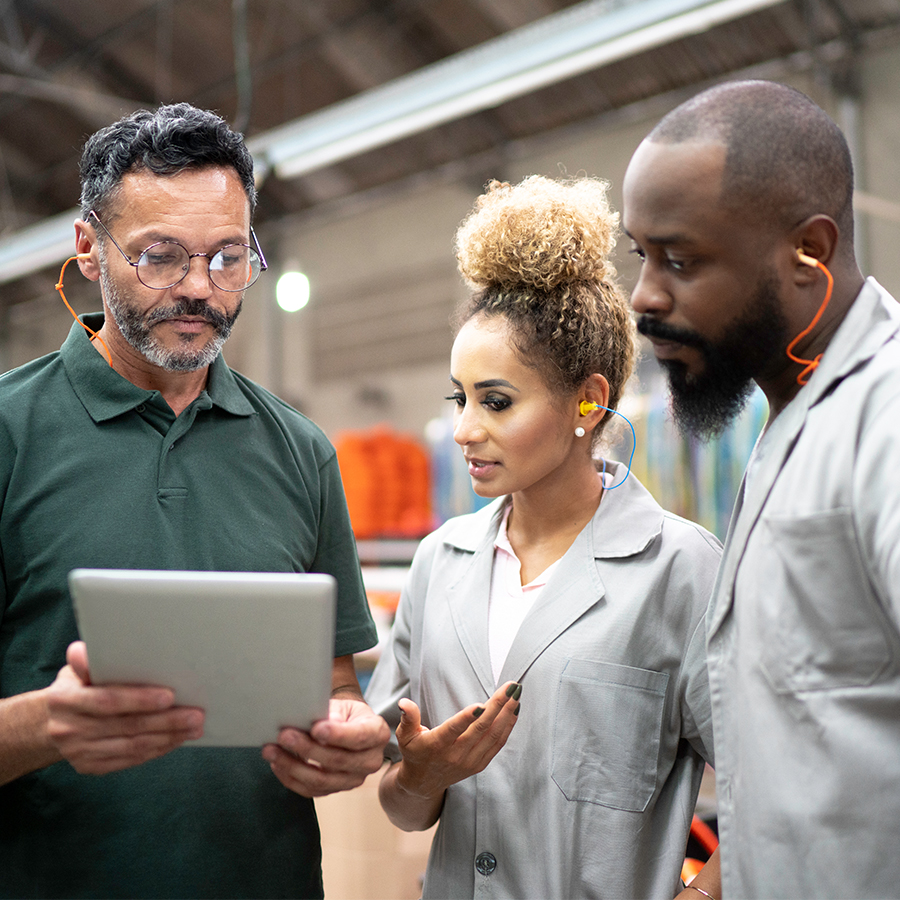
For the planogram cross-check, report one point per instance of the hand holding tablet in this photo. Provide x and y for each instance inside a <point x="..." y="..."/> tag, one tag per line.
<point x="253" y="650"/>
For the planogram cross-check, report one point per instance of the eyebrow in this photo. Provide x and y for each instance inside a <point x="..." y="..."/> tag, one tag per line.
<point x="489" y="383"/>
<point x="156" y="236"/>
<point x="662" y="239"/>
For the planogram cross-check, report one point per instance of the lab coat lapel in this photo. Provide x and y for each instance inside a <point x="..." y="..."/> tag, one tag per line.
<point x="469" y="595"/>
<point x="752" y="496"/>
<point x="631" y="519"/>
<point x="871" y="321"/>
<point x="573" y="588"/>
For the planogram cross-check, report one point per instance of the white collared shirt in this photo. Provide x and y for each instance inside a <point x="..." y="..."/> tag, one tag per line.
<point x="510" y="600"/>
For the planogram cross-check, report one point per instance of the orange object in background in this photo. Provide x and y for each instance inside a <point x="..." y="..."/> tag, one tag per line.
<point x="708" y="841"/>
<point x="353" y="452"/>
<point x="387" y="480"/>
<point x="385" y="601"/>
<point x="690" y="869"/>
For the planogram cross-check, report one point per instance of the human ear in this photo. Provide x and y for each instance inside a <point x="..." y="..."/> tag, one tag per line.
<point x="87" y="250"/>
<point x="593" y="399"/>
<point x="814" y="240"/>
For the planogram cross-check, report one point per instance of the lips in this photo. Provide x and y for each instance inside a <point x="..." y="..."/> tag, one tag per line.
<point x="478" y="468"/>
<point x="192" y="326"/>
<point x="666" y="349"/>
<point x="190" y="316"/>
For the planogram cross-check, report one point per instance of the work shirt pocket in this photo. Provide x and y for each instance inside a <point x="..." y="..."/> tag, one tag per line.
<point x="822" y="625"/>
<point x="607" y="733"/>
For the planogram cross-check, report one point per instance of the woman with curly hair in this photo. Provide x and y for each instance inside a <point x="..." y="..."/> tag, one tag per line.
<point x="546" y="672"/>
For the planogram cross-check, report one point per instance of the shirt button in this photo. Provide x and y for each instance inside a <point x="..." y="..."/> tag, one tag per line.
<point x="485" y="863"/>
<point x="140" y="408"/>
<point x="171" y="446"/>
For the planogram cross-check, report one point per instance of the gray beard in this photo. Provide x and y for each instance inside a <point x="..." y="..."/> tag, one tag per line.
<point x="137" y="329"/>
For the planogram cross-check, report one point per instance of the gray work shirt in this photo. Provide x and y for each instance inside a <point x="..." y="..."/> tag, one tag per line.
<point x="593" y="793"/>
<point x="804" y="648"/>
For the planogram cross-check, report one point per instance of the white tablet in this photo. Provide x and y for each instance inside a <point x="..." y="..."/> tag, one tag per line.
<point x="254" y="650"/>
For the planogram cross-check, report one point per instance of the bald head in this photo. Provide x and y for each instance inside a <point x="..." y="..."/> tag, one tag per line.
<point x="785" y="160"/>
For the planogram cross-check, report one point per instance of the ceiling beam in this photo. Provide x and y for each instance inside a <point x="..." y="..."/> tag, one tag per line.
<point x="560" y="46"/>
<point x="576" y="40"/>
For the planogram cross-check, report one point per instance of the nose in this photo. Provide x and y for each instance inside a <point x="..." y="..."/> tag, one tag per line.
<point x="467" y="427"/>
<point x="649" y="294"/>
<point x="196" y="284"/>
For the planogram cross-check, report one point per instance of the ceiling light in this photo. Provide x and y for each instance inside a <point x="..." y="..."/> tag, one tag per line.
<point x="292" y="291"/>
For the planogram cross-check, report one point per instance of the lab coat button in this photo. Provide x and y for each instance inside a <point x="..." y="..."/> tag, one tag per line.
<point x="485" y="863"/>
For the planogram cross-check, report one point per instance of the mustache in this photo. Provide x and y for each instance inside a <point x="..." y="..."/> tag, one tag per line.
<point x="196" y="309"/>
<point x="651" y="327"/>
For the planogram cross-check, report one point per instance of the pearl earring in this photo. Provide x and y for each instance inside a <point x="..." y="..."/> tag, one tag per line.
<point x="579" y="432"/>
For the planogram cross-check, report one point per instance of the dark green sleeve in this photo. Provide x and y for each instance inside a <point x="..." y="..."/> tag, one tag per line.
<point x="7" y="456"/>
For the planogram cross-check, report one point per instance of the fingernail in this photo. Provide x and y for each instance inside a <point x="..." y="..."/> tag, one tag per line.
<point x="517" y="692"/>
<point x="163" y="699"/>
<point x="513" y="688"/>
<point x="516" y="711"/>
<point x="477" y="712"/>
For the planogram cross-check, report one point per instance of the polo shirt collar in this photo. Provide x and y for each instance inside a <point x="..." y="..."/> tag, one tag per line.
<point x="106" y="394"/>
<point x="224" y="391"/>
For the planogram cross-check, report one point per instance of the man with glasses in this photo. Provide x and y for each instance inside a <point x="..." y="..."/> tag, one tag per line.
<point x="135" y="446"/>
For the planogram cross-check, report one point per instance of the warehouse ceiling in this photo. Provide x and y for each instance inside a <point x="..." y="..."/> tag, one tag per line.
<point x="69" y="68"/>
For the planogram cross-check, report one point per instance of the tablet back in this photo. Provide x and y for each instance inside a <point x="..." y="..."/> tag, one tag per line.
<point x="255" y="650"/>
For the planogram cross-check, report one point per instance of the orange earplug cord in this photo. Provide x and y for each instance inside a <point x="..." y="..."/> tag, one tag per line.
<point x="59" y="287"/>
<point x="810" y="364"/>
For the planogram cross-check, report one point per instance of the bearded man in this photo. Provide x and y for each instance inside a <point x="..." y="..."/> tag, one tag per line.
<point x="739" y="204"/>
<point x="136" y="446"/>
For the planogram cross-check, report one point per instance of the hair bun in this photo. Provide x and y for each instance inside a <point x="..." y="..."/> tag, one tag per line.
<point x="540" y="233"/>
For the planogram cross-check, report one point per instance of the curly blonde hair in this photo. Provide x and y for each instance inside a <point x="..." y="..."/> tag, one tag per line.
<point x="537" y="253"/>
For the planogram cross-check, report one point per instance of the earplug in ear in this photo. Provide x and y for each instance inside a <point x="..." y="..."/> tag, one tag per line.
<point x="810" y="364"/>
<point x="588" y="406"/>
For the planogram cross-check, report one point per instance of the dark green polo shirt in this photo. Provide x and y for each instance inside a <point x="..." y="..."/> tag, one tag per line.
<point x="97" y="472"/>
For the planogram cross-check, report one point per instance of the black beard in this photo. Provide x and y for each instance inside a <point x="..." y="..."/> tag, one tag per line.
<point x="705" y="404"/>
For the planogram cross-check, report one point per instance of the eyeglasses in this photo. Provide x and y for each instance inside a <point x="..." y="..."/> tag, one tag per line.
<point x="163" y="264"/>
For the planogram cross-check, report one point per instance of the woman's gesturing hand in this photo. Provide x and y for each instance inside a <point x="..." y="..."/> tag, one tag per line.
<point x="435" y="758"/>
<point x="412" y="791"/>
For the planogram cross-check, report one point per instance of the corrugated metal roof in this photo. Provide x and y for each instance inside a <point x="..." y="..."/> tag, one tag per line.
<point x="67" y="69"/>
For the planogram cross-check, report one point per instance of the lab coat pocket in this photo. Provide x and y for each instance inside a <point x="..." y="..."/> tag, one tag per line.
<point x="822" y="625"/>
<point x="607" y="733"/>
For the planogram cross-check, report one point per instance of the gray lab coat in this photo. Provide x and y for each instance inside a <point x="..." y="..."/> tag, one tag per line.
<point x="592" y="795"/>
<point x="804" y="647"/>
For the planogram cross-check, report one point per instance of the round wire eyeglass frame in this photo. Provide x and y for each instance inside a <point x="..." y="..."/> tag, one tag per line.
<point x="255" y="271"/>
